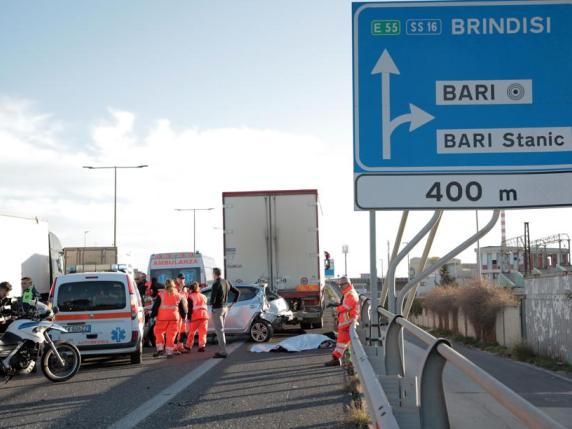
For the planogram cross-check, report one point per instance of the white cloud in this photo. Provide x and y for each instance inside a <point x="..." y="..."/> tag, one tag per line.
<point x="189" y="167"/>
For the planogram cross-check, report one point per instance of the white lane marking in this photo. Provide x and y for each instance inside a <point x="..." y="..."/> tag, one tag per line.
<point x="147" y="408"/>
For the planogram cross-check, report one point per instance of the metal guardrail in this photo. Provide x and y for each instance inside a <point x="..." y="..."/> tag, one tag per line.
<point x="378" y="405"/>
<point x="431" y="401"/>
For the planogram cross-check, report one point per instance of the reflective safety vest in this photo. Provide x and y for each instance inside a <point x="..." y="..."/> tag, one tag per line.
<point x="348" y="309"/>
<point x="169" y="308"/>
<point x="200" y="309"/>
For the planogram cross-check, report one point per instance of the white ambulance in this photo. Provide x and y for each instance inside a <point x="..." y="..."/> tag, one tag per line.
<point x="195" y="266"/>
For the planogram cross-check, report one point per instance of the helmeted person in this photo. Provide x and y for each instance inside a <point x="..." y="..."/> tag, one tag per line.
<point x="199" y="317"/>
<point x="347" y="315"/>
<point x="167" y="314"/>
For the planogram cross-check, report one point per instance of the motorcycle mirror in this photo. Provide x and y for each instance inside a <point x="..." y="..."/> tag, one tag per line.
<point x="56" y="310"/>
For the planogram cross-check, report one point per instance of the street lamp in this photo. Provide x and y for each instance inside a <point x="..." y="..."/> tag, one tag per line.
<point x="195" y="222"/>
<point x="85" y="238"/>
<point x="114" y="168"/>
<point x="345" y="251"/>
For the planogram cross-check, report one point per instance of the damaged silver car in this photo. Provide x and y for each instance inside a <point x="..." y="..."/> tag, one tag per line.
<point x="258" y="312"/>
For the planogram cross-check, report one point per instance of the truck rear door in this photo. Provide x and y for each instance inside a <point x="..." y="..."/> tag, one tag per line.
<point x="296" y="257"/>
<point x="246" y="238"/>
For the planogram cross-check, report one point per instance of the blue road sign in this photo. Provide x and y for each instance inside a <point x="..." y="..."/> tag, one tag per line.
<point x="462" y="89"/>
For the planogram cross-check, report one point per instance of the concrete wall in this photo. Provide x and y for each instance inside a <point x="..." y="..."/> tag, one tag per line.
<point x="508" y="325"/>
<point x="548" y="315"/>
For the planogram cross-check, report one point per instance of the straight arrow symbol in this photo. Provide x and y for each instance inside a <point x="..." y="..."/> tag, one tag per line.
<point x="416" y="116"/>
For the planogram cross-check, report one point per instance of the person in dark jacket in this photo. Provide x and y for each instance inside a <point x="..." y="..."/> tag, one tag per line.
<point x="7" y="312"/>
<point x="218" y="302"/>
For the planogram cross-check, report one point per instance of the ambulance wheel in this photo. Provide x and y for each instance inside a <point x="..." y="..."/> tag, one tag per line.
<point x="137" y="356"/>
<point x="261" y="331"/>
<point x="306" y="326"/>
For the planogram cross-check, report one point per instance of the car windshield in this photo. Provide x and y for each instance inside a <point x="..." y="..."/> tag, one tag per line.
<point x="191" y="274"/>
<point x="91" y="296"/>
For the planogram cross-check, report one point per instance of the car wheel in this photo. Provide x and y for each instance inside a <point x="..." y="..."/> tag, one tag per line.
<point x="137" y="356"/>
<point x="261" y="331"/>
<point x="306" y="325"/>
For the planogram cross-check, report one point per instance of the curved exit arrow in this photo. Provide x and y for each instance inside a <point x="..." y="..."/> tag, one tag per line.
<point x="416" y="116"/>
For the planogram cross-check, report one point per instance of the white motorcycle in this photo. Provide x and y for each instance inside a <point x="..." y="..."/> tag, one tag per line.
<point x="27" y="339"/>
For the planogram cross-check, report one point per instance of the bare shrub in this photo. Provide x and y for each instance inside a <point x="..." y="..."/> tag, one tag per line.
<point x="442" y="301"/>
<point x="481" y="302"/>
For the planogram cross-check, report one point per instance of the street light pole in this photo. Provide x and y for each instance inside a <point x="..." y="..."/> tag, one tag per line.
<point x="114" y="167"/>
<point x="345" y="251"/>
<point x="195" y="210"/>
<point x="85" y="238"/>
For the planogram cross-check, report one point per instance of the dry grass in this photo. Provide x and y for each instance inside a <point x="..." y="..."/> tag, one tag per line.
<point x="352" y="384"/>
<point x="357" y="417"/>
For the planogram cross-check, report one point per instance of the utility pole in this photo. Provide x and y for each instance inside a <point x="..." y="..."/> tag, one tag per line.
<point x="194" y="210"/>
<point x="345" y="251"/>
<point x="115" y="168"/>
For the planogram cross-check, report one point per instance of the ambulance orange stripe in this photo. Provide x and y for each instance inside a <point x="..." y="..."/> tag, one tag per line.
<point x="96" y="316"/>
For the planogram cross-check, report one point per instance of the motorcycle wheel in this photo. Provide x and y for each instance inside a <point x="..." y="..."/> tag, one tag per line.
<point x="52" y="368"/>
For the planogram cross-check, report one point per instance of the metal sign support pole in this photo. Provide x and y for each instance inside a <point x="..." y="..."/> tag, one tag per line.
<point x="398" y="238"/>
<point x="421" y="267"/>
<point x="399" y="257"/>
<point x="373" y="267"/>
<point x="428" y="271"/>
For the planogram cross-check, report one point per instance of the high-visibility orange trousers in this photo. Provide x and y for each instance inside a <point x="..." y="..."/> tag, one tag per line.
<point x="342" y="343"/>
<point x="201" y="326"/>
<point x="166" y="330"/>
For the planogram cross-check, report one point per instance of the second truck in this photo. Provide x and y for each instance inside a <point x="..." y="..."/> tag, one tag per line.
<point x="273" y="237"/>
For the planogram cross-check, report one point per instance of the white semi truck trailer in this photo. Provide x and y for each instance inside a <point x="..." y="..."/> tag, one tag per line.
<point x="28" y="249"/>
<point x="273" y="237"/>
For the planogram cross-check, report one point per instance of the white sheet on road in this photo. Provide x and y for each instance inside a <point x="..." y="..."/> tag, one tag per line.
<point x="296" y="344"/>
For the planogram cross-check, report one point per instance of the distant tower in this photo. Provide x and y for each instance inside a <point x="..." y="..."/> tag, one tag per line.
<point x="504" y="251"/>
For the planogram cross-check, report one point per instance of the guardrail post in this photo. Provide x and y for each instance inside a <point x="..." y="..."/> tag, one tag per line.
<point x="365" y="321"/>
<point x="433" y="403"/>
<point x="393" y="353"/>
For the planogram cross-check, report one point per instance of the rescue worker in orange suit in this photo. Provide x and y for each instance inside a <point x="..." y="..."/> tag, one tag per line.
<point x="166" y="312"/>
<point x="199" y="317"/>
<point x="183" y="329"/>
<point x="347" y="315"/>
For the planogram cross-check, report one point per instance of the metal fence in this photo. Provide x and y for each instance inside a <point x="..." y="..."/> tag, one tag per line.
<point x="388" y="331"/>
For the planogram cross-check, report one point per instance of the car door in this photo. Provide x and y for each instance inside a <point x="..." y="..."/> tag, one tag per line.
<point x="241" y="313"/>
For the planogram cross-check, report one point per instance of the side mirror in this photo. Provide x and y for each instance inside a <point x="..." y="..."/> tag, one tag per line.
<point x="56" y="310"/>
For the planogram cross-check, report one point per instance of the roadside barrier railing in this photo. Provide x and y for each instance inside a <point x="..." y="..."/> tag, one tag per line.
<point x="431" y="400"/>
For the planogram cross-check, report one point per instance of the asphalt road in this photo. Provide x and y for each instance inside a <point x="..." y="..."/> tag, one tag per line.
<point x="269" y="390"/>
<point x="545" y="389"/>
<point x="469" y="406"/>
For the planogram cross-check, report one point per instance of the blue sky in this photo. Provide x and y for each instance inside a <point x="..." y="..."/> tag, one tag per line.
<point x="214" y="95"/>
<point x="210" y="64"/>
